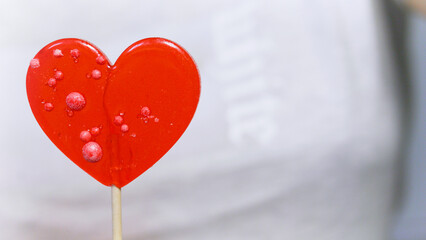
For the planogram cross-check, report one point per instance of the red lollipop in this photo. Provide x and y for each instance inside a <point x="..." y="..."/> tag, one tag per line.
<point x="113" y="121"/>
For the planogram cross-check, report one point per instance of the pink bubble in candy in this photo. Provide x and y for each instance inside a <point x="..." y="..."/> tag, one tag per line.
<point x="70" y="113"/>
<point x="34" y="63"/>
<point x="57" y="53"/>
<point x="100" y="60"/>
<point x="92" y="152"/>
<point x="51" y="82"/>
<point x="75" y="53"/>
<point x="145" y="111"/>
<point x="96" y="74"/>
<point x="124" y="128"/>
<point x="48" y="107"/>
<point x="95" y="131"/>
<point x="59" y="75"/>
<point x="75" y="101"/>
<point x="85" y="136"/>
<point x="118" y="120"/>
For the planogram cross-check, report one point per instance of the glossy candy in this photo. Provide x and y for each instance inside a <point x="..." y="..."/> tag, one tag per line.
<point x="113" y="121"/>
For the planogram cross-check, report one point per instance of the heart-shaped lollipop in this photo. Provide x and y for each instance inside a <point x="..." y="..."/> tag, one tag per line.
<point x="113" y="121"/>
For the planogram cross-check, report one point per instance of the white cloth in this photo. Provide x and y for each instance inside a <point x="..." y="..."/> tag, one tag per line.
<point x="295" y="136"/>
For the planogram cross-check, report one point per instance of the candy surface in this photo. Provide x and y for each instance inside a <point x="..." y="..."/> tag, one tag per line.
<point x="106" y="118"/>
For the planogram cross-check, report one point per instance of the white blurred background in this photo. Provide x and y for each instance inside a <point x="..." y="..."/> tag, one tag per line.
<point x="306" y="127"/>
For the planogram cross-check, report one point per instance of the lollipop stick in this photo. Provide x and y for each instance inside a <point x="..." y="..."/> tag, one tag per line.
<point x="116" y="213"/>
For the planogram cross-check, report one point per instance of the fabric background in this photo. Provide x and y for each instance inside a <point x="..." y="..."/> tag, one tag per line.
<point x="295" y="137"/>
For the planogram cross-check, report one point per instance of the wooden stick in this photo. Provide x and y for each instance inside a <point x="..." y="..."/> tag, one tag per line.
<point x="116" y="213"/>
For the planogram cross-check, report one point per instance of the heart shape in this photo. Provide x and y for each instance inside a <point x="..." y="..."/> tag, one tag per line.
<point x="113" y="121"/>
